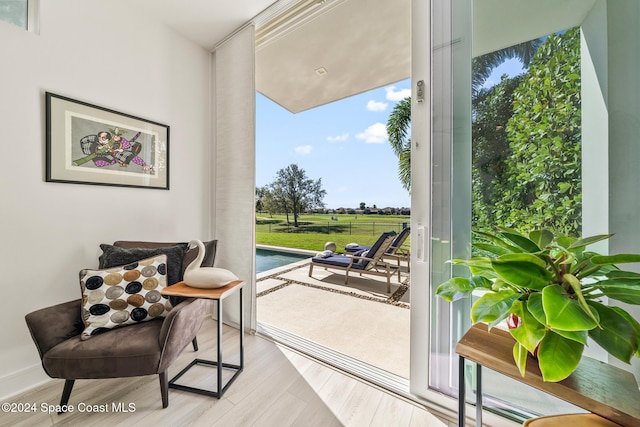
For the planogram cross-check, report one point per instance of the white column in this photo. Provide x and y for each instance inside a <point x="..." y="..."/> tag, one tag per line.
<point x="233" y="210"/>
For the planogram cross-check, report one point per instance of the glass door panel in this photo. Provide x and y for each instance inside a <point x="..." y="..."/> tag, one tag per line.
<point x="506" y="151"/>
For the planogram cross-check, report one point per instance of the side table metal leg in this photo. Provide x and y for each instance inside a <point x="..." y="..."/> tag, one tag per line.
<point x="241" y="331"/>
<point x="461" y="391"/>
<point x="478" y="395"/>
<point x="219" y="336"/>
<point x="219" y="364"/>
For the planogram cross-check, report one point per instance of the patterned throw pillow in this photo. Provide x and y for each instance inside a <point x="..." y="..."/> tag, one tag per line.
<point x="124" y="295"/>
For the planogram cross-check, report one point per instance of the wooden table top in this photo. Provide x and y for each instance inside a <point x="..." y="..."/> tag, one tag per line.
<point x="181" y="289"/>
<point x="598" y="387"/>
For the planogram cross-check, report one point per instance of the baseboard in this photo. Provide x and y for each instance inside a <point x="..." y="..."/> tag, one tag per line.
<point x="21" y="381"/>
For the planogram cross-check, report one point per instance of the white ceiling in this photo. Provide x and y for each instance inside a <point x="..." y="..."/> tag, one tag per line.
<point x="205" y="22"/>
<point x="502" y="23"/>
<point x="361" y="44"/>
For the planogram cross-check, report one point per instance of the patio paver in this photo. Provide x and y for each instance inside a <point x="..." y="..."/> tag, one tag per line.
<point x="359" y="320"/>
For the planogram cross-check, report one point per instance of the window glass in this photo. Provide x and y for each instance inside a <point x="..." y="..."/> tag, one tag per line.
<point x="15" y="12"/>
<point x="506" y="152"/>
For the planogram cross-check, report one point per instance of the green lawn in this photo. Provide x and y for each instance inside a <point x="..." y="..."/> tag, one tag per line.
<point x="315" y="230"/>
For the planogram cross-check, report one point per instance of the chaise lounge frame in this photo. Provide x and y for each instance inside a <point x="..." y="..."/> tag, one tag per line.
<point x="373" y="263"/>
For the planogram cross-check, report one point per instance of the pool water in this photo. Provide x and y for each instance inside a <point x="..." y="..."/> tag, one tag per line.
<point x="267" y="259"/>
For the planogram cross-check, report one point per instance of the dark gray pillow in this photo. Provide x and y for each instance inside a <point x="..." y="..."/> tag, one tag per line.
<point x="114" y="256"/>
<point x="191" y="254"/>
<point x="210" y="248"/>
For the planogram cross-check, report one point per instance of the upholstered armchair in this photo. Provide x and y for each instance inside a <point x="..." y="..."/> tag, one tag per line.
<point x="144" y="348"/>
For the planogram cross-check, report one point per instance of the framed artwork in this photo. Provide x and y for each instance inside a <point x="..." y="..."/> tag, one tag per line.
<point x="88" y="144"/>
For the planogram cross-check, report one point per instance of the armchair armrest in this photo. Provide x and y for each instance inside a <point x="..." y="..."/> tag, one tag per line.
<point x="179" y="328"/>
<point x="52" y="325"/>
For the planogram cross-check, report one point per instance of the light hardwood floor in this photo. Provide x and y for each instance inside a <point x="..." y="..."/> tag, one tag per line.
<point x="278" y="387"/>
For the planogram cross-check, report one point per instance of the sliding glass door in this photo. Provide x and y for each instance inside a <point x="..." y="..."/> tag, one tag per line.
<point x="519" y="134"/>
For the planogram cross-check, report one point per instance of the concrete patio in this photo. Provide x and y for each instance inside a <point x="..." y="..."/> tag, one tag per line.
<point x="359" y="320"/>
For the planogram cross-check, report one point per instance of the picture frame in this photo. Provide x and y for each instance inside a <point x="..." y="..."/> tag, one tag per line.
<point x="89" y="144"/>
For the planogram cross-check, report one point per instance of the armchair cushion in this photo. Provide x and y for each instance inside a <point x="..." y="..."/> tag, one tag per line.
<point x="125" y="295"/>
<point x="142" y="349"/>
<point x="123" y="352"/>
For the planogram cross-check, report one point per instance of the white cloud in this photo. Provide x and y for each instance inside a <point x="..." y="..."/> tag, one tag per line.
<point x="374" y="134"/>
<point x="395" y="94"/>
<point x="303" y="150"/>
<point x="376" y="106"/>
<point x="338" y="138"/>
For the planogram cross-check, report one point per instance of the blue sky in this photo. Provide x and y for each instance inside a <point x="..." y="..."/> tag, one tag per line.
<point x="511" y="67"/>
<point x="344" y="143"/>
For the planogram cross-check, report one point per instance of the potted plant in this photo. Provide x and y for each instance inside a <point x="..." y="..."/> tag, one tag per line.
<point x="550" y="289"/>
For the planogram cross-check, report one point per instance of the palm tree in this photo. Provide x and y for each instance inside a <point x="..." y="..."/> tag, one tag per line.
<point x="483" y="66"/>
<point x="399" y="120"/>
<point x="398" y="128"/>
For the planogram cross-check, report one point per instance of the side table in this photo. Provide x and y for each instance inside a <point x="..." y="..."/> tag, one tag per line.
<point x="600" y="388"/>
<point x="217" y="294"/>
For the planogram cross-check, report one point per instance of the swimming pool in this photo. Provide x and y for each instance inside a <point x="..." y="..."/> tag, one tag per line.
<point x="267" y="259"/>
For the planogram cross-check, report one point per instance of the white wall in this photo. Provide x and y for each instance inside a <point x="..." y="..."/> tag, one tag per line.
<point x="623" y="102"/>
<point x="96" y="52"/>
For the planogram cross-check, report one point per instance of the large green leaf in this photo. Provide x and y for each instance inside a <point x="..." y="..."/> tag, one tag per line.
<point x="482" y="262"/>
<point x="493" y="306"/>
<point x="492" y="249"/>
<point x="578" y="336"/>
<point x="589" y="240"/>
<point x="520" y="355"/>
<point x="620" y="289"/>
<point x="615" y="259"/>
<point x="522" y="257"/>
<point x="616" y="334"/>
<point x="455" y="289"/>
<point x="558" y="357"/>
<point x="534" y="305"/>
<point x="633" y="322"/>
<point x="542" y="238"/>
<point x="622" y="274"/>
<point x="497" y="241"/>
<point x="478" y="266"/>
<point x="564" y="312"/>
<point x="522" y="242"/>
<point x="530" y="331"/>
<point x="522" y="270"/>
<point x="565" y="241"/>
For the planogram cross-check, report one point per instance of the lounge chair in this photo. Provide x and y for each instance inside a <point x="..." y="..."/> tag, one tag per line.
<point x="371" y="263"/>
<point x="395" y="251"/>
<point x="395" y="245"/>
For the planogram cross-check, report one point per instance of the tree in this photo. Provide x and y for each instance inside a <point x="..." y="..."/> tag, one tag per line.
<point x="490" y="176"/>
<point x="294" y="192"/>
<point x="363" y="205"/>
<point x="399" y="120"/>
<point x="261" y="193"/>
<point x="483" y="66"/>
<point x="545" y="138"/>
<point x="398" y="126"/>
<point x="269" y="201"/>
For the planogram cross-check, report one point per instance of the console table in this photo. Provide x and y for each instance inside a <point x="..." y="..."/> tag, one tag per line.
<point x="181" y="289"/>
<point x="598" y="387"/>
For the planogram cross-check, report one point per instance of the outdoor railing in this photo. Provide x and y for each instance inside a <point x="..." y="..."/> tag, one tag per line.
<point x="331" y="227"/>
